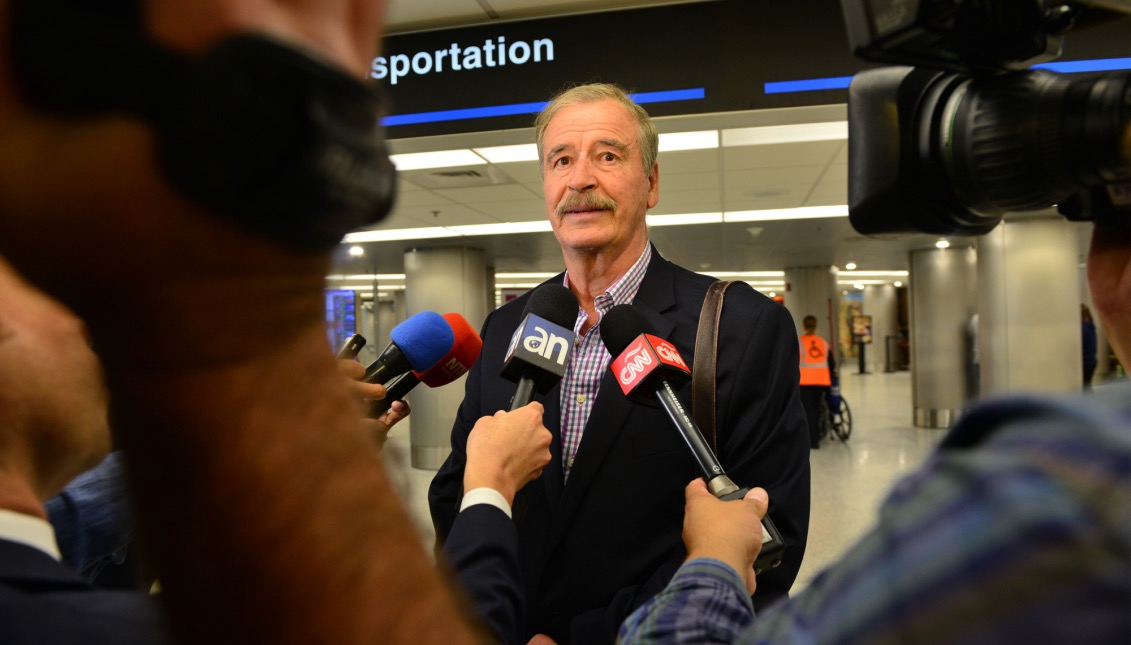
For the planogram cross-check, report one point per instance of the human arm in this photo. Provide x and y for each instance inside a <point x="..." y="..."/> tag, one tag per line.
<point x="377" y="428"/>
<point x="708" y="599"/>
<point x="1013" y="532"/>
<point x="504" y="452"/>
<point x="729" y="533"/>
<point x="1109" y="277"/>
<point x="267" y="512"/>
<point x="446" y="489"/>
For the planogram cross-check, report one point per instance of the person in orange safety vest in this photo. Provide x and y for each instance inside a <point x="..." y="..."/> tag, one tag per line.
<point x="816" y="376"/>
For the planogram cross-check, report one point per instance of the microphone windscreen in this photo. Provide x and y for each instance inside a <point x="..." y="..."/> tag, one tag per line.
<point x="553" y="302"/>
<point x="424" y="339"/>
<point x="464" y="352"/>
<point x="621" y="325"/>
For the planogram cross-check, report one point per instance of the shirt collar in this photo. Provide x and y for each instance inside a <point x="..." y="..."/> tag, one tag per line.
<point x="33" y="531"/>
<point x="623" y="291"/>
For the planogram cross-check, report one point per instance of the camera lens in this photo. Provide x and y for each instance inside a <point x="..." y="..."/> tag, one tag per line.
<point x="1028" y="140"/>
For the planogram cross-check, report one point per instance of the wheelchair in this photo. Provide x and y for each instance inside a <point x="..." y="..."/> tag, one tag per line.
<point x="836" y="416"/>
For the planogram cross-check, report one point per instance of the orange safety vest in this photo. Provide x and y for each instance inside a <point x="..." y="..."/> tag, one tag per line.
<point x="814" y="360"/>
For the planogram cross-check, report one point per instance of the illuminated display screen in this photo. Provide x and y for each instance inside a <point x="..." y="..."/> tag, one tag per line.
<point x="341" y="316"/>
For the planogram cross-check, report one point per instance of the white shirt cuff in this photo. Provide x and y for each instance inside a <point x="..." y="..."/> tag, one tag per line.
<point x="485" y="496"/>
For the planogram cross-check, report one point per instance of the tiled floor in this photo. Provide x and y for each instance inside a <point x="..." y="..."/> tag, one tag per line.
<point x="849" y="478"/>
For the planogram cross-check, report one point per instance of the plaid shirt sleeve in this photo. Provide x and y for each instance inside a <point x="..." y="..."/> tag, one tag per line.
<point x="1017" y="531"/>
<point x="706" y="602"/>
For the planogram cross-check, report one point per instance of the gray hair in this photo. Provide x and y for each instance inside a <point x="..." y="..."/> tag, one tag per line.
<point x="647" y="137"/>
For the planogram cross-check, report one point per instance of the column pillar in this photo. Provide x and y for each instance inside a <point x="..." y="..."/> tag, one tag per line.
<point x="1029" y="304"/>
<point x="880" y="304"/>
<point x="442" y="280"/>
<point x="943" y="296"/>
<point x="386" y="320"/>
<point x="400" y="311"/>
<point x="813" y="291"/>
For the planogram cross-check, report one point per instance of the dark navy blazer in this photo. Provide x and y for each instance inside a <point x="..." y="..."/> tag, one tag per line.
<point x="42" y="601"/>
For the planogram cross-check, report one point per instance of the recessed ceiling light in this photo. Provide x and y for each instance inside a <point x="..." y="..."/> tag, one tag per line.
<point x="704" y="140"/>
<point x="898" y="283"/>
<point x="851" y="266"/>
<point x="796" y="133"/>
<point x="509" y="154"/>
<point x="357" y="251"/>
<point x="805" y="212"/>
<point x="685" y="218"/>
<point x="942" y="244"/>
<point x="437" y="159"/>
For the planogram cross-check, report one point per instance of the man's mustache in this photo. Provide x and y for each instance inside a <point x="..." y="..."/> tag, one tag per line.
<point x="580" y="203"/>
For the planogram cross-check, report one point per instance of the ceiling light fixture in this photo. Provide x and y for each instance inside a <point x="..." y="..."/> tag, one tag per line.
<point x="805" y="212"/>
<point x="872" y="274"/>
<point x="685" y="218"/>
<point x="398" y="234"/>
<point x="702" y="140"/>
<point x="942" y="244"/>
<point x="509" y="154"/>
<point x="504" y="228"/>
<point x="437" y="159"/>
<point x="796" y="133"/>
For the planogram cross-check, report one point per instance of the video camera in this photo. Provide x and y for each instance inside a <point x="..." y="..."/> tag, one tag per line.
<point x="969" y="133"/>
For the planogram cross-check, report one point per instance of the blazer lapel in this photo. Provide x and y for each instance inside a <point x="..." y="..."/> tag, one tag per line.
<point x="552" y="477"/>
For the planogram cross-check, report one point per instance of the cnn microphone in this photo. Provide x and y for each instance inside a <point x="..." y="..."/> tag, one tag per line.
<point x="417" y="344"/>
<point x="539" y="350"/>
<point x="650" y="368"/>
<point x="462" y="355"/>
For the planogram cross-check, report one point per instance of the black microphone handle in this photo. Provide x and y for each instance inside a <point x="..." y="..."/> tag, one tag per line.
<point x="717" y="481"/>
<point x="524" y="393"/>
<point x="396" y="391"/>
<point x="709" y="465"/>
<point x="392" y="362"/>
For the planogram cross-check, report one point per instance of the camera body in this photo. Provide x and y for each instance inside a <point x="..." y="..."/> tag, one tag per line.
<point x="963" y="132"/>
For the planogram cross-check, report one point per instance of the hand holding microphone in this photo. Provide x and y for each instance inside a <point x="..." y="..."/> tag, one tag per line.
<point x="648" y="367"/>
<point x="539" y="351"/>
<point x="726" y="531"/>
<point x="507" y="451"/>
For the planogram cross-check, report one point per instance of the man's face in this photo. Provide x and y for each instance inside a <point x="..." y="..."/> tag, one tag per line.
<point x="593" y="178"/>
<point x="54" y="379"/>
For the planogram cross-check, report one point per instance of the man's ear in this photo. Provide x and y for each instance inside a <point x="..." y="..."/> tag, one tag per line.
<point x="654" y="185"/>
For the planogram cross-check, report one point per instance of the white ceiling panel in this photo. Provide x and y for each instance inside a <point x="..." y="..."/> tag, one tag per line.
<point x="781" y="155"/>
<point x="687" y="201"/>
<point x="472" y="196"/>
<point x="529" y="210"/>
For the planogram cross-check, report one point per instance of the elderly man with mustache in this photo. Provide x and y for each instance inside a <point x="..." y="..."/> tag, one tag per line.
<point x="600" y="529"/>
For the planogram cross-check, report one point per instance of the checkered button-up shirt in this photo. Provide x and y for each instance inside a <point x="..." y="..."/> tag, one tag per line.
<point x="590" y="358"/>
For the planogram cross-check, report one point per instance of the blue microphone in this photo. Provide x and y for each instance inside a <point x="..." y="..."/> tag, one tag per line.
<point x="418" y="343"/>
<point x="539" y="349"/>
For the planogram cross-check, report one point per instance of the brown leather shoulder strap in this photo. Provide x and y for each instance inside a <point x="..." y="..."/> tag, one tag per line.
<point x="703" y="369"/>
